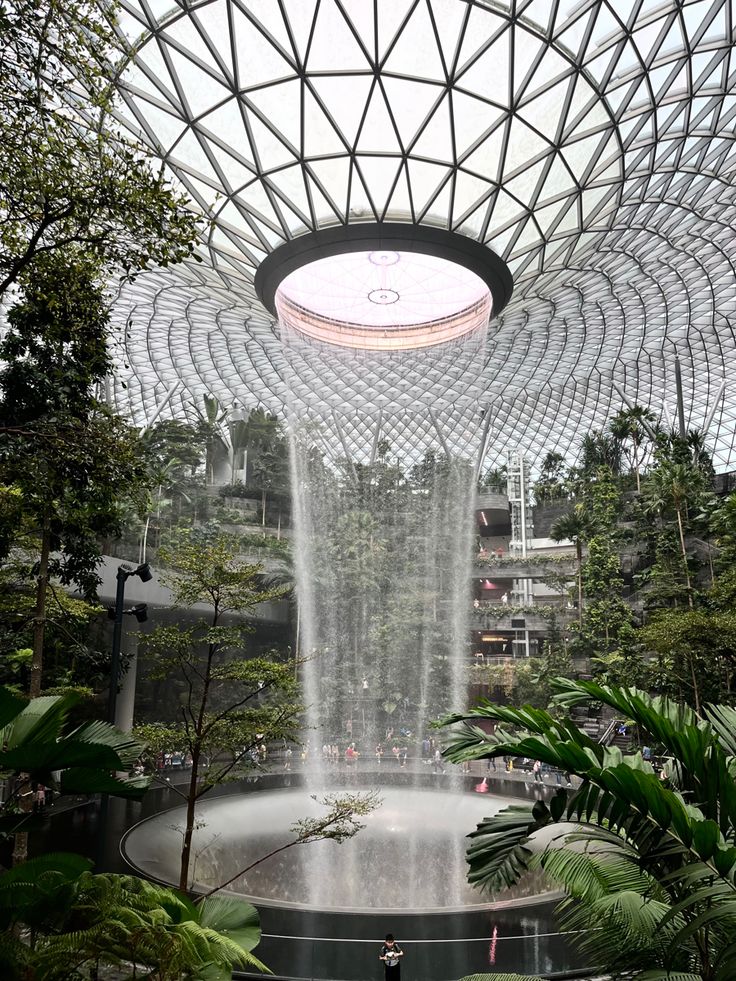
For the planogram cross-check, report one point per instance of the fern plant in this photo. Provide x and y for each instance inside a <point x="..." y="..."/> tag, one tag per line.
<point x="80" y="922"/>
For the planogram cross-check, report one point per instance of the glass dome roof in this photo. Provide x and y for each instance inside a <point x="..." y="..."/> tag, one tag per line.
<point x="589" y="144"/>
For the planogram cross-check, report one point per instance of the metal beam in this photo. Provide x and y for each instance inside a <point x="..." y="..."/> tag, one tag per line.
<point x="709" y="418"/>
<point x="162" y="405"/>
<point x="344" y="445"/>
<point x="680" y="400"/>
<point x="440" y="435"/>
<point x="377" y="437"/>
<point x="624" y="397"/>
<point x="483" y="444"/>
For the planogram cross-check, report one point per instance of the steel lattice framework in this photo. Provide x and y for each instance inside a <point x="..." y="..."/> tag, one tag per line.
<point x="589" y="144"/>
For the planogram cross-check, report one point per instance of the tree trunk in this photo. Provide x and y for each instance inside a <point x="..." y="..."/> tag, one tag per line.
<point x="579" y="551"/>
<point x="684" y="558"/>
<point x="39" y="616"/>
<point x="186" y="848"/>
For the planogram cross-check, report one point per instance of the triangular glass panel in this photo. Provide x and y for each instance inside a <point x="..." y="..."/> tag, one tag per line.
<point x="435" y="140"/>
<point x="214" y="24"/>
<point x="489" y="73"/>
<point x="377" y="133"/>
<point x="581" y="154"/>
<point x="320" y="136"/>
<point x="482" y="25"/>
<point x="268" y="14"/>
<point x="189" y="153"/>
<point x="399" y="206"/>
<point x="558" y="181"/>
<point x="281" y="105"/>
<point x="289" y="183"/>
<point x="472" y="119"/>
<point x="379" y="175"/>
<point x="361" y="16"/>
<point x="571" y="34"/>
<point x="411" y="102"/>
<point x="419" y="60"/>
<point x="538" y="11"/>
<point x="334" y="47"/>
<point x="344" y="97"/>
<point x="201" y="90"/>
<point x="258" y="61"/>
<point x="271" y="151"/>
<point x="300" y="17"/>
<point x="544" y="109"/>
<point x="438" y="210"/>
<point x="449" y="19"/>
<point x="360" y="201"/>
<point x="391" y="15"/>
<point x="159" y="79"/>
<point x="426" y="180"/>
<point x="486" y="159"/>
<point x="527" y="50"/>
<point x="470" y="193"/>
<point x="257" y="201"/>
<point x="524" y="146"/>
<point x="333" y="174"/>
<point x="183" y="31"/>
<point x="165" y="126"/>
<point x="524" y="187"/>
<point x="226" y="124"/>
<point x="506" y="210"/>
<point x="234" y="171"/>
<point x="586" y="111"/>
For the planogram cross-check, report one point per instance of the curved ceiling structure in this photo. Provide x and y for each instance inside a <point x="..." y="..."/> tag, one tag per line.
<point x="589" y="144"/>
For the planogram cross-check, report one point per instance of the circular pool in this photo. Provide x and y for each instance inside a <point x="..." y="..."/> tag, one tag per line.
<point x="408" y="856"/>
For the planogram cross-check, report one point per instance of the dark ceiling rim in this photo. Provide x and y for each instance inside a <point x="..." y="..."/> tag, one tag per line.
<point x="373" y="236"/>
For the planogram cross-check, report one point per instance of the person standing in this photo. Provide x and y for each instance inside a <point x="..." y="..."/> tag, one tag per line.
<point x="391" y="955"/>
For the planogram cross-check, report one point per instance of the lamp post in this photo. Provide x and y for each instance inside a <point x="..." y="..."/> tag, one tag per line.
<point x="116" y="613"/>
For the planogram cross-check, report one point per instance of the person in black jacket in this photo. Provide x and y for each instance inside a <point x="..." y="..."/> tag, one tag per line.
<point x="391" y="955"/>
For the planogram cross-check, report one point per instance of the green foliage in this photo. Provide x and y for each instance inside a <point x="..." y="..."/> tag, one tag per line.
<point x="68" y="179"/>
<point x="37" y="741"/>
<point x="228" y="701"/>
<point x="652" y="861"/>
<point x="695" y="653"/>
<point x="73" y="468"/>
<point x="83" y="922"/>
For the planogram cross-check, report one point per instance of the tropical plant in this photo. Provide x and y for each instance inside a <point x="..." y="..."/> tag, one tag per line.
<point x="76" y="466"/>
<point x="37" y="744"/>
<point x="651" y="855"/>
<point x="228" y="703"/>
<point x="551" y="483"/>
<point x="574" y="526"/>
<point x="677" y="487"/>
<point x="211" y="429"/>
<point x="599" y="449"/>
<point x="80" y="922"/>
<point x="634" y="424"/>
<point x="68" y="179"/>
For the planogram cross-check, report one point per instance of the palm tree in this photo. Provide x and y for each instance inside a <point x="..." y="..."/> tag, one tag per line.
<point x="211" y="428"/>
<point x="575" y="527"/>
<point x="598" y="449"/>
<point x="632" y="424"/>
<point x="652" y="856"/>
<point x="675" y="486"/>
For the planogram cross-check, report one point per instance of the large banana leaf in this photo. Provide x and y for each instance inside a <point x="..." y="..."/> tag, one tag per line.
<point x="34" y="742"/>
<point x="670" y="905"/>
